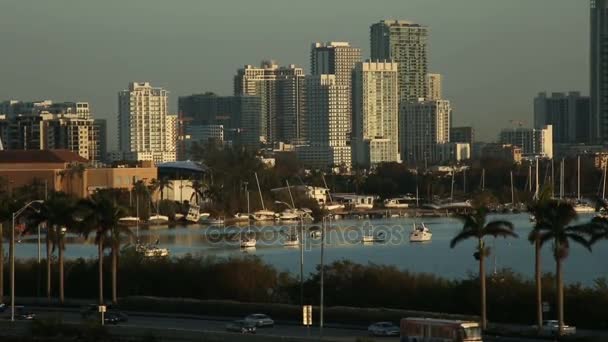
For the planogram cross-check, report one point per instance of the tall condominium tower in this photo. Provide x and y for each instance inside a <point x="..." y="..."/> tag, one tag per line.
<point x="336" y="58"/>
<point x="281" y="90"/>
<point x="434" y="87"/>
<point x="599" y="69"/>
<point x="422" y="126"/>
<point x="328" y="130"/>
<point x="375" y="113"/>
<point x="569" y="114"/>
<point x="142" y="123"/>
<point x="404" y="43"/>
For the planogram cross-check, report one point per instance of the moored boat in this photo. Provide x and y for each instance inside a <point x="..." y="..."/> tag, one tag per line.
<point x="129" y="221"/>
<point x="420" y="233"/>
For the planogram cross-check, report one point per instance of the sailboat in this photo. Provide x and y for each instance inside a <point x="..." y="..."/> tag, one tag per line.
<point x="262" y="215"/>
<point x="420" y="233"/>
<point x="581" y="206"/>
<point x="291" y="240"/>
<point x="331" y="206"/>
<point x="248" y="240"/>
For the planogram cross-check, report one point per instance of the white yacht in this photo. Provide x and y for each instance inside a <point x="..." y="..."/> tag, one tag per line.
<point x="289" y="215"/>
<point x="128" y="221"/>
<point x="398" y="203"/>
<point x="264" y="215"/>
<point x="158" y="219"/>
<point x="150" y="251"/>
<point x="583" y="208"/>
<point x="240" y="217"/>
<point x="219" y="221"/>
<point x="421" y="233"/>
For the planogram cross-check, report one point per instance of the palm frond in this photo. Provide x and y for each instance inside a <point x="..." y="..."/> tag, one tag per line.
<point x="463" y="235"/>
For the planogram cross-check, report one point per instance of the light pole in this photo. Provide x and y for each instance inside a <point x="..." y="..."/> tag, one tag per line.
<point x="12" y="256"/>
<point x="326" y="220"/>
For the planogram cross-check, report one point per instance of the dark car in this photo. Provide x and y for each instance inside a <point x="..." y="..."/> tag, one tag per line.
<point x="23" y="313"/>
<point x="241" y="326"/>
<point x="111" y="316"/>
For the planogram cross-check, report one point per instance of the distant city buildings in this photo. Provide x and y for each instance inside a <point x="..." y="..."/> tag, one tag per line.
<point x="434" y="87"/>
<point x="533" y="142"/>
<point x="452" y="152"/>
<point x="146" y="130"/>
<point x="599" y="69"/>
<point x="569" y="114"/>
<point x="375" y="114"/>
<point x="43" y="125"/>
<point x="464" y="134"/>
<point x="282" y="95"/>
<point x="404" y="43"/>
<point x="239" y="116"/>
<point x="423" y="125"/>
<point x="328" y="129"/>
<point x="506" y="152"/>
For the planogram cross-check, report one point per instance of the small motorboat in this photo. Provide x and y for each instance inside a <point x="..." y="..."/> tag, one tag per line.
<point x="179" y="217"/>
<point x="202" y="217"/>
<point x="421" y="233"/>
<point x="289" y="215"/>
<point x="151" y="251"/>
<point x="291" y="240"/>
<point x="215" y="221"/>
<point x="370" y="238"/>
<point x="315" y="232"/>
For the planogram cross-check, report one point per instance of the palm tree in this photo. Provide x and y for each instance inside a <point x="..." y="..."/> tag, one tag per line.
<point x="101" y="215"/>
<point x="160" y="185"/>
<point x="537" y="210"/>
<point x="7" y="207"/>
<point x="553" y="225"/>
<point x="116" y="232"/>
<point x="475" y="227"/>
<point x="199" y="189"/>
<point x="56" y="212"/>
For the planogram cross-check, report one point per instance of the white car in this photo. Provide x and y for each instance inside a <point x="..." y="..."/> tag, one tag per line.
<point x="260" y="320"/>
<point x="550" y="327"/>
<point x="383" y="329"/>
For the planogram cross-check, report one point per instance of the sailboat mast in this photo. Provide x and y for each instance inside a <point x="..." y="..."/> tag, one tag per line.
<point x="536" y="194"/>
<point x="326" y="187"/>
<point x="604" y="183"/>
<point x="578" y="177"/>
<point x="293" y="206"/>
<point x="259" y="190"/>
<point x="452" y="192"/>
<point x="483" y="179"/>
<point x="552" y="178"/>
<point x="530" y="178"/>
<point x="512" y="190"/>
<point x="561" y="180"/>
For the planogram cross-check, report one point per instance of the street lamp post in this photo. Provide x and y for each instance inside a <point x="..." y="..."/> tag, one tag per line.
<point x="12" y="256"/>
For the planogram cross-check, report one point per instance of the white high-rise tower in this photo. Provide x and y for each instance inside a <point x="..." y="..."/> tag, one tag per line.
<point x="142" y="118"/>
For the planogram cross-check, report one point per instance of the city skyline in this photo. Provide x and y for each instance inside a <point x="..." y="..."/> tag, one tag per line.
<point x="492" y="71"/>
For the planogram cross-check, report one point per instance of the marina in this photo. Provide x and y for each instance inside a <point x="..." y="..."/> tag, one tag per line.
<point x="344" y="239"/>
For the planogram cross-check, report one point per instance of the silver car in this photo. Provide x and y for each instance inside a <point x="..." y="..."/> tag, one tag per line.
<point x="383" y="329"/>
<point x="260" y="320"/>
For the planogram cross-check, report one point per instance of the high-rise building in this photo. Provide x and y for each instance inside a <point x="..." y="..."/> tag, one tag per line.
<point x="143" y="133"/>
<point x="328" y="129"/>
<point x="48" y="125"/>
<point x="336" y="58"/>
<point x="375" y="136"/>
<point x="569" y="114"/>
<point x="533" y="142"/>
<point x="434" y="87"/>
<point x="423" y="125"/>
<point x="599" y="69"/>
<point x="464" y="134"/>
<point x="404" y="43"/>
<point x="282" y="94"/>
<point x="239" y="116"/>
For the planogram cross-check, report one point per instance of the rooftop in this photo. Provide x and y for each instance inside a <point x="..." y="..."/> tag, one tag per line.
<point x="40" y="156"/>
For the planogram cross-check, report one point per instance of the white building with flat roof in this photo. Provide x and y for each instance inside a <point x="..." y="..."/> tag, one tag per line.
<point x="144" y="129"/>
<point x="375" y="113"/>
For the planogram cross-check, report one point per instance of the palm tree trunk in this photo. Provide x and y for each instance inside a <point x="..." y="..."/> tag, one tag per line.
<point x="1" y="265"/>
<point x="61" y="273"/>
<point x="48" y="264"/>
<point x="114" y="275"/>
<point x="482" y="284"/>
<point x="100" y="257"/>
<point x="538" y="278"/>
<point x="560" y="295"/>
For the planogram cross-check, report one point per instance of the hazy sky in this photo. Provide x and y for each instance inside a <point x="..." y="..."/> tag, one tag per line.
<point x="495" y="55"/>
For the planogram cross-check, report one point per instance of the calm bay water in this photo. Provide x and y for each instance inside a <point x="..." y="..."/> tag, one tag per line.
<point x="344" y="238"/>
